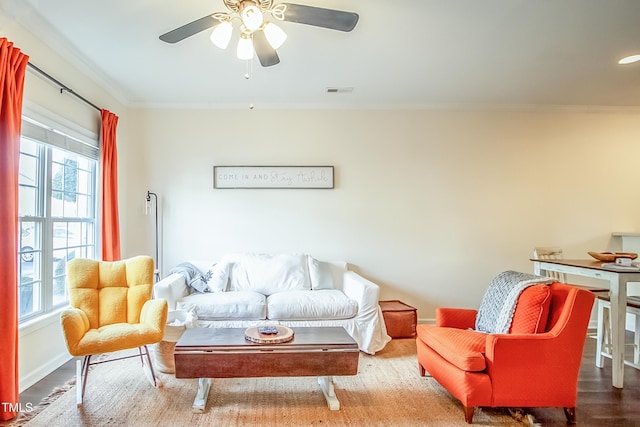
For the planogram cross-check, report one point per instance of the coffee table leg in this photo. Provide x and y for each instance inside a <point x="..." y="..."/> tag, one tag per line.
<point x="326" y="385"/>
<point x="204" y="384"/>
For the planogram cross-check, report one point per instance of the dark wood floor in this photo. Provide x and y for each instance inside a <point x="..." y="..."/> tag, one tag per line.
<point x="599" y="404"/>
<point x="43" y="388"/>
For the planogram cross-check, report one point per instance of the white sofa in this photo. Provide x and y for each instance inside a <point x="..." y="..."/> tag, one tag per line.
<point x="293" y="290"/>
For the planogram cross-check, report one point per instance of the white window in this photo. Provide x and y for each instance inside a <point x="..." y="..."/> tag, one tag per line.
<point x="57" y="214"/>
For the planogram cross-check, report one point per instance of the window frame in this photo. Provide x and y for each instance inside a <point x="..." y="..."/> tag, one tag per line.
<point x="45" y="300"/>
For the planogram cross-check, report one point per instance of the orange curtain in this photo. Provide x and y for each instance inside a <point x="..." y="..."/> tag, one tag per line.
<point x="13" y="64"/>
<point x="109" y="187"/>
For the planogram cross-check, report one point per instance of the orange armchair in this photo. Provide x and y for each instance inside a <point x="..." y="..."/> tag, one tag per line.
<point x="536" y="369"/>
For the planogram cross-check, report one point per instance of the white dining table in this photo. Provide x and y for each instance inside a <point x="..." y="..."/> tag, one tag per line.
<point x="618" y="282"/>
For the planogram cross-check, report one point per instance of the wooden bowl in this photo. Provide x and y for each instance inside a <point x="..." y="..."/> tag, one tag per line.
<point x="612" y="256"/>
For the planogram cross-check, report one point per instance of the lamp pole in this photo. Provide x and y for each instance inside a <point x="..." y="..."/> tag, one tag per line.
<point x="156" y="274"/>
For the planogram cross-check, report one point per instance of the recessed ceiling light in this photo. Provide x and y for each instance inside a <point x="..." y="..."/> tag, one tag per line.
<point x="629" y="59"/>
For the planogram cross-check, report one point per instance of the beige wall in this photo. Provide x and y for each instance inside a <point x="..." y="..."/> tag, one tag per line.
<point x="430" y="205"/>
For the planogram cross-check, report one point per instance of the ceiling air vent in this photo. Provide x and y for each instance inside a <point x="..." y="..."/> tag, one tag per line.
<point x="339" y="90"/>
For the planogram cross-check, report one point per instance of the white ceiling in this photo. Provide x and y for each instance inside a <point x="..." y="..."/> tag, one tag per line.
<point x="402" y="54"/>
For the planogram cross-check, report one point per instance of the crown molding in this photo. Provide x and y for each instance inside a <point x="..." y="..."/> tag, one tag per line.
<point x="25" y="15"/>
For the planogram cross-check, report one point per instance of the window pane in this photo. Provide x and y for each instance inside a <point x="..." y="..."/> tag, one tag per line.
<point x="28" y="301"/>
<point x="59" y="235"/>
<point x="28" y="201"/>
<point x="59" y="268"/>
<point x="28" y="170"/>
<point x="88" y="233"/>
<point x="30" y="243"/>
<point x="29" y="285"/>
<point x="57" y="155"/>
<point x="84" y="181"/>
<point x="70" y="205"/>
<point x="29" y="147"/>
<point x="84" y="206"/>
<point x="57" y="207"/>
<point x="60" y="295"/>
<point x="64" y="184"/>
<point x="57" y="171"/>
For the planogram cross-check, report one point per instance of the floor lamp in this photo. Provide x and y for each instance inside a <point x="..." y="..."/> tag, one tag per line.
<point x="147" y="207"/>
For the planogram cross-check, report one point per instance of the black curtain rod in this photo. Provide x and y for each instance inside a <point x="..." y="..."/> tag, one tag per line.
<point x="63" y="87"/>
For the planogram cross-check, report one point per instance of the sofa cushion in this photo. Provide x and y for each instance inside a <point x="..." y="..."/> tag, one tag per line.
<point x="532" y="310"/>
<point x="463" y="348"/>
<point x="245" y="305"/>
<point x="311" y="305"/>
<point x="268" y="274"/>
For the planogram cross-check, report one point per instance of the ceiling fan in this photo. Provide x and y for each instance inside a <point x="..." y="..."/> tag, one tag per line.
<point x="256" y="33"/>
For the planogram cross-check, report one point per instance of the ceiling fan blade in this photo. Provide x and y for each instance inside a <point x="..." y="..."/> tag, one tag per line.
<point x="266" y="54"/>
<point x="190" y="29"/>
<point x="319" y="17"/>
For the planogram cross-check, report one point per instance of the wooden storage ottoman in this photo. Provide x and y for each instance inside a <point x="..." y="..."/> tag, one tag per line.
<point x="401" y="319"/>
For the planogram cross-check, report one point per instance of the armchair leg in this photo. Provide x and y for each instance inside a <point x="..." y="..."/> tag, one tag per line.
<point x="468" y="413"/>
<point x="149" y="372"/>
<point x="422" y="370"/>
<point x="570" y="413"/>
<point x="82" y="370"/>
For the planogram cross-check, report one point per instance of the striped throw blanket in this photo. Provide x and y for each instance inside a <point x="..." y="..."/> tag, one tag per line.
<point x="499" y="302"/>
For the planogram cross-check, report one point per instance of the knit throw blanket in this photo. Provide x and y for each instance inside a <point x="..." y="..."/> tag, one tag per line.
<point x="499" y="302"/>
<point x="195" y="280"/>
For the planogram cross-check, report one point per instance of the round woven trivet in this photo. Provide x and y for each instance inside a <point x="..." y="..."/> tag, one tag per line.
<point x="284" y="335"/>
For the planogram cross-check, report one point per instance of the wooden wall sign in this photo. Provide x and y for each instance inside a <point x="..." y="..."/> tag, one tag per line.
<point x="273" y="177"/>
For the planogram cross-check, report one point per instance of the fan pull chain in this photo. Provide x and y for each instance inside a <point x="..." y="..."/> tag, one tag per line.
<point x="249" y="72"/>
<point x="247" y="76"/>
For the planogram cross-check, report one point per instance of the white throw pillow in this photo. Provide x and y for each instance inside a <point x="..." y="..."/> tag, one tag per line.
<point x="320" y="274"/>
<point x="218" y="277"/>
<point x="267" y="273"/>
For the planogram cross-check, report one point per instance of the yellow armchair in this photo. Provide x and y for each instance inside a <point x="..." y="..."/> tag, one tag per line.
<point x="111" y="310"/>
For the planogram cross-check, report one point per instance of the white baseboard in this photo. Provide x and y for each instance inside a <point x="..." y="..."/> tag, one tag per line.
<point x="34" y="376"/>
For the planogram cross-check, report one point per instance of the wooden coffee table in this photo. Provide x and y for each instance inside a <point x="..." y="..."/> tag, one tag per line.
<point x="207" y="353"/>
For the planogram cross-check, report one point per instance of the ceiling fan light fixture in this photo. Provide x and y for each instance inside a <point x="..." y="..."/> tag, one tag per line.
<point x="629" y="59"/>
<point x="251" y="16"/>
<point x="274" y="34"/>
<point x="259" y="37"/>
<point x="245" y="47"/>
<point x="221" y="34"/>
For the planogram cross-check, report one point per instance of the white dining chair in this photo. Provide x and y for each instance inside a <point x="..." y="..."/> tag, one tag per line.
<point x="603" y="336"/>
<point x="554" y="252"/>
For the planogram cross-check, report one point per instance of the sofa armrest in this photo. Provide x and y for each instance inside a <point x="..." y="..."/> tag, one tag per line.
<point x="171" y="288"/>
<point x="543" y="359"/>
<point x="551" y="360"/>
<point x="361" y="290"/>
<point x="368" y="329"/>
<point x="461" y="318"/>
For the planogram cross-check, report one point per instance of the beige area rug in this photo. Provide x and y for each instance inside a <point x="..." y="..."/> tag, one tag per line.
<point x="387" y="391"/>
